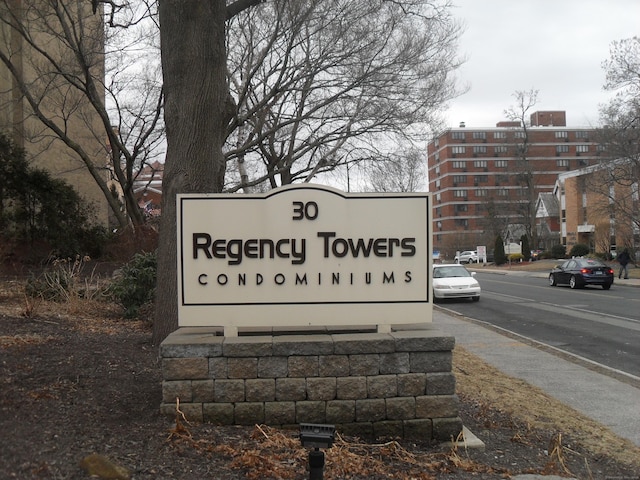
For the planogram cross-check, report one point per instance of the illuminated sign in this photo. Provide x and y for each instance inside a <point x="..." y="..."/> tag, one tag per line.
<point x="303" y="256"/>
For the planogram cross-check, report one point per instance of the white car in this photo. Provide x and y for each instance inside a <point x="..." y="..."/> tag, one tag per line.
<point x="454" y="281"/>
<point x="469" y="256"/>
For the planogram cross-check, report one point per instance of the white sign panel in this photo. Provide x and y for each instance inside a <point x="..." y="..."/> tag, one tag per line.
<point x="303" y="256"/>
<point x="482" y="253"/>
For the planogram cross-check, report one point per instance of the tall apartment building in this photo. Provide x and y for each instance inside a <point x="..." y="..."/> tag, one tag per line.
<point x="486" y="180"/>
<point x="62" y="104"/>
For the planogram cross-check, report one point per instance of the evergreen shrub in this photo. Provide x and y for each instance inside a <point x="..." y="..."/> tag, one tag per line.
<point x="135" y="285"/>
<point x="558" y="251"/>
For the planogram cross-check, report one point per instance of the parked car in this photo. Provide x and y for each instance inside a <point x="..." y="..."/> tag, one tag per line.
<point x="579" y="272"/>
<point x="455" y="281"/>
<point x="468" y="256"/>
<point x="535" y="255"/>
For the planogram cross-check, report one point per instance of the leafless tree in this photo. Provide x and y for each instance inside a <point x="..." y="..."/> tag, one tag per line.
<point x="291" y="105"/>
<point x="404" y="171"/>
<point x="619" y="182"/>
<point x="198" y="112"/>
<point x="524" y="210"/>
<point x="59" y="55"/>
<point x="495" y="220"/>
<point x="324" y="83"/>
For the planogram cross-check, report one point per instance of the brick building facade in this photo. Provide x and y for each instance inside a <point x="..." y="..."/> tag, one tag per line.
<point x="485" y="179"/>
<point x="596" y="211"/>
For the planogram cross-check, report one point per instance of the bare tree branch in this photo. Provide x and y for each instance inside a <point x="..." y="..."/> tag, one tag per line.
<point x="314" y="78"/>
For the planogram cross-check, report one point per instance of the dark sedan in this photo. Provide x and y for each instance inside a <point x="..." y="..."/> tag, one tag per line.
<point x="579" y="272"/>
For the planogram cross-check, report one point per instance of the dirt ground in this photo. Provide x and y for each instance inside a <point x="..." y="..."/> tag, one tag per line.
<point x="76" y="380"/>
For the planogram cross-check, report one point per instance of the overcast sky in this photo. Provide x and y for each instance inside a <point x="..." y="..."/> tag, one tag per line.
<point x="554" y="46"/>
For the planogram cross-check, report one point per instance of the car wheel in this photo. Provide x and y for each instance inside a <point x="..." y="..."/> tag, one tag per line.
<point x="552" y="280"/>
<point x="475" y="299"/>
<point x="573" y="282"/>
<point x="606" y="286"/>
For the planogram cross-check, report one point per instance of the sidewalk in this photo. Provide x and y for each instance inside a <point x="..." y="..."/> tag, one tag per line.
<point x="606" y="400"/>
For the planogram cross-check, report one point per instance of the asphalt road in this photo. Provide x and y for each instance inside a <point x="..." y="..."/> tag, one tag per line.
<point x="600" y="326"/>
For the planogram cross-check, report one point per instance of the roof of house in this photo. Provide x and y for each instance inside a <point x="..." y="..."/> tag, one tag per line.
<point x="547" y="205"/>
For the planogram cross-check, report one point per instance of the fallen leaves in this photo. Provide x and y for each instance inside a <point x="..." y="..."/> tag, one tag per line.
<point x="271" y="453"/>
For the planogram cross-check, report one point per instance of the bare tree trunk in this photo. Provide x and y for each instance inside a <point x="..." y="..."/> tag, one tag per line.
<point x="192" y="35"/>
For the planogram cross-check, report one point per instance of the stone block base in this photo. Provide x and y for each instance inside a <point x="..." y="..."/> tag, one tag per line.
<point x="398" y="384"/>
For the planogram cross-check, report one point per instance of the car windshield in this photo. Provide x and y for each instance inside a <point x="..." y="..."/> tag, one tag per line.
<point x="450" y="271"/>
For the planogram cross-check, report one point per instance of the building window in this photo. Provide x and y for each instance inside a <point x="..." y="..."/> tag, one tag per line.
<point x="500" y="163"/>
<point x="502" y="179"/>
<point x="461" y="207"/>
<point x="457" y="135"/>
<point x="521" y="149"/>
<point x="457" y="150"/>
<point x="500" y="149"/>
<point x="459" y="164"/>
<point x="582" y="134"/>
<point x="562" y="134"/>
<point x="503" y="192"/>
<point x="480" y="179"/>
<point x="499" y="134"/>
<point x="437" y="155"/>
<point x="480" y="163"/>
<point x="562" y="162"/>
<point x="481" y="192"/>
<point x="460" y="193"/>
<point x="582" y="148"/>
<point x="461" y="222"/>
<point x="480" y="149"/>
<point x="562" y="149"/>
<point x="458" y="179"/>
<point x="520" y="134"/>
<point x="479" y="135"/>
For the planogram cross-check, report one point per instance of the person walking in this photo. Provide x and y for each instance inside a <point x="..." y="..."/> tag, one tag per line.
<point x="623" y="259"/>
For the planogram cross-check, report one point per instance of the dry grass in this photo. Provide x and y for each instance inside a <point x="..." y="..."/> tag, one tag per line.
<point x="531" y="405"/>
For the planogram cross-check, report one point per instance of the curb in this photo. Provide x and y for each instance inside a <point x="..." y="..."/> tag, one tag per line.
<point x="629" y="282"/>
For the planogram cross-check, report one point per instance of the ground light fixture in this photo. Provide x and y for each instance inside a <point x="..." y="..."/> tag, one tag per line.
<point x="316" y="436"/>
